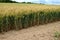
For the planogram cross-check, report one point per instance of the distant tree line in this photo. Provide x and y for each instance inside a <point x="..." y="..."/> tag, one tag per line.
<point x="10" y="1"/>
<point x="7" y="1"/>
<point x="27" y="2"/>
<point x="31" y="3"/>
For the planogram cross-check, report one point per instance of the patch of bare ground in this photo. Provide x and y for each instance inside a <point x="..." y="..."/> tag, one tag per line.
<point x="41" y="32"/>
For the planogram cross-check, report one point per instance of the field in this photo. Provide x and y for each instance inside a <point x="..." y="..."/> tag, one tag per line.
<point x="16" y="16"/>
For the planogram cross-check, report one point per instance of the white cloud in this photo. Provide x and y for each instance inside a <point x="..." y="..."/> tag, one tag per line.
<point x="52" y="1"/>
<point x="19" y="0"/>
<point x="48" y="1"/>
<point x="41" y="1"/>
<point x="26" y="0"/>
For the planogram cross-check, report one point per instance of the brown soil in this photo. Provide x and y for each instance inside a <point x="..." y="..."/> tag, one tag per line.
<point x="42" y="32"/>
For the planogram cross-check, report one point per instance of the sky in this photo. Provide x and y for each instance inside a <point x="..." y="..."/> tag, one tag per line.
<point x="41" y="1"/>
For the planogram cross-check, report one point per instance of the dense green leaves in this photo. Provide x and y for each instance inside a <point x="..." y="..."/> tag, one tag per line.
<point x="18" y="21"/>
<point x="7" y="1"/>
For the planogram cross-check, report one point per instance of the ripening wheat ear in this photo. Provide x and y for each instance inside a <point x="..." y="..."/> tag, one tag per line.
<point x="13" y="17"/>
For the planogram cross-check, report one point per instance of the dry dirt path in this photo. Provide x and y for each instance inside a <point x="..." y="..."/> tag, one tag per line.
<point x="42" y="32"/>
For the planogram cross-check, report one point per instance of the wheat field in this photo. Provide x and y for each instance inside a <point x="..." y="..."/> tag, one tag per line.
<point x="15" y="16"/>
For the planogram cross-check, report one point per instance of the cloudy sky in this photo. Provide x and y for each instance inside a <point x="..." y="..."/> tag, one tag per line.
<point x="41" y="1"/>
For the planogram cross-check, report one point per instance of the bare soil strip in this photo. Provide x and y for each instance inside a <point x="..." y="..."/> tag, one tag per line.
<point x="42" y="32"/>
